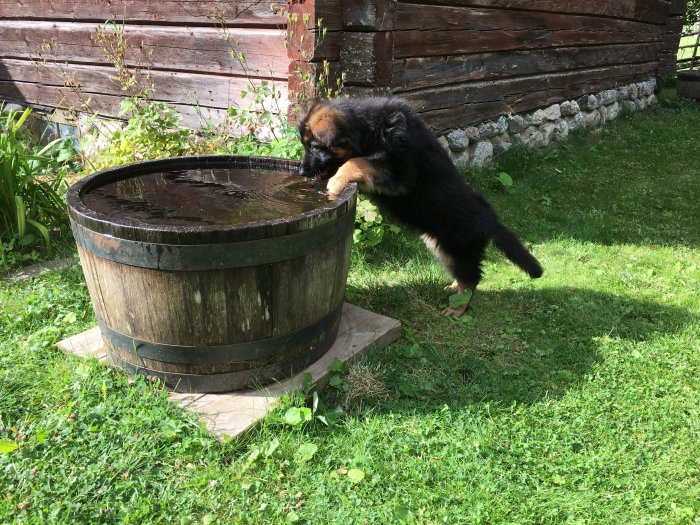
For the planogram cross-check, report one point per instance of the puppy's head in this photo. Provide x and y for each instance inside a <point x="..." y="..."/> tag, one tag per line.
<point x="325" y="134"/>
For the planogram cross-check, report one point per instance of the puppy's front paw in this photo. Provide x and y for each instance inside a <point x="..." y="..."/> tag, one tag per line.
<point x="335" y="187"/>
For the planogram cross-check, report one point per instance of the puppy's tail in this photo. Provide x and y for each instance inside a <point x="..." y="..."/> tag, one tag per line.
<point x="506" y="241"/>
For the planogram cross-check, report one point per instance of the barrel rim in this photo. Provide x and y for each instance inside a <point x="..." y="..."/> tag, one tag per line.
<point x="88" y="218"/>
<point x="688" y="74"/>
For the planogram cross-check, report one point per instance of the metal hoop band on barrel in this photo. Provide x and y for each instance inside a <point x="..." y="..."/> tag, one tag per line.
<point x="194" y="257"/>
<point x="182" y="382"/>
<point x="220" y="354"/>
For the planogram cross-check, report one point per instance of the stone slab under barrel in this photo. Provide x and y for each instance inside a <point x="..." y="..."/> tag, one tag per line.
<point x="213" y="273"/>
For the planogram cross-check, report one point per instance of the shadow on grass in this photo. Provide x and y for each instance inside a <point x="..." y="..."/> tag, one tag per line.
<point x="515" y="346"/>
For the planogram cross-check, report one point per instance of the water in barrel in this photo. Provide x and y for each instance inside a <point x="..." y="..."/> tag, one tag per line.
<point x="207" y="196"/>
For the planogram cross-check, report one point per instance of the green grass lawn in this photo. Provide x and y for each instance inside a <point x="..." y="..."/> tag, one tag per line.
<point x="572" y="399"/>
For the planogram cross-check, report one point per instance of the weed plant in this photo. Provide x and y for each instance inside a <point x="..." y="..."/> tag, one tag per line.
<point x="32" y="186"/>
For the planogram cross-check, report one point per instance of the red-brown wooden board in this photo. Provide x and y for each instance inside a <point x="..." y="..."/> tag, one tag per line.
<point x="201" y="49"/>
<point x="202" y="12"/>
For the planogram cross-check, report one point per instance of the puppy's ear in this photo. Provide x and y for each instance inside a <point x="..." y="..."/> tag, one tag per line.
<point x="395" y="129"/>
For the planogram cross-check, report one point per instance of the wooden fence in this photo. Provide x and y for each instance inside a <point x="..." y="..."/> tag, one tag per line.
<point x="457" y="61"/>
<point x="689" y="49"/>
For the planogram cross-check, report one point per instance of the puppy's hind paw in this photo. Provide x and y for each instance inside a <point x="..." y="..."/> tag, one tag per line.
<point x="455" y="312"/>
<point x="453" y="288"/>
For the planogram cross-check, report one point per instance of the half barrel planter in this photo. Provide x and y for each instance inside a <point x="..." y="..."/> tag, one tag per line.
<point x="212" y="308"/>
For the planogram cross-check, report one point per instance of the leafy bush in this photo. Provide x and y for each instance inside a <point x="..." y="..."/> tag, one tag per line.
<point x="152" y="132"/>
<point x="370" y="226"/>
<point x="31" y="187"/>
<point x="692" y="13"/>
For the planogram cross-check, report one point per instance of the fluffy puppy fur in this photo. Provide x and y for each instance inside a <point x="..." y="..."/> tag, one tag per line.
<point x="381" y="144"/>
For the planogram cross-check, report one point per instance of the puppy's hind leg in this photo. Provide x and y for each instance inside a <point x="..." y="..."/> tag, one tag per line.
<point x="459" y="270"/>
<point x="466" y="269"/>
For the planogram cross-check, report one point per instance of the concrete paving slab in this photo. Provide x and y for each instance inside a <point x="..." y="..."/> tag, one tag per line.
<point x="233" y="413"/>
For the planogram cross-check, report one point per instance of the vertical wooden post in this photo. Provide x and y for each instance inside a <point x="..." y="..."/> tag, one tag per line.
<point x="367" y="45"/>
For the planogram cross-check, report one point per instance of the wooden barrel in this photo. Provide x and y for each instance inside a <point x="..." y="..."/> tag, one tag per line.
<point x="688" y="85"/>
<point x="214" y="308"/>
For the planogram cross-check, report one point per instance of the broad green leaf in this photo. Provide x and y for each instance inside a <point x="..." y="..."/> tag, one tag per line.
<point x="274" y="445"/>
<point x="337" y="367"/>
<point x="295" y="416"/>
<point x="460" y="299"/>
<point x="505" y="179"/>
<point x="7" y="446"/>
<point x="305" y="452"/>
<point x="403" y="514"/>
<point x="356" y="475"/>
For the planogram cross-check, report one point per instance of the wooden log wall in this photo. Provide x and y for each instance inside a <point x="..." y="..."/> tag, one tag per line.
<point x="465" y="61"/>
<point x="457" y="61"/>
<point x="184" y="45"/>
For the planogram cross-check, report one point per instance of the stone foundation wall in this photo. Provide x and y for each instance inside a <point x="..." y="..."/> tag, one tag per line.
<point x="476" y="145"/>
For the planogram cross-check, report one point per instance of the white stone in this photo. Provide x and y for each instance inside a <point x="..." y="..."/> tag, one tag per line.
<point x="547" y="131"/>
<point x="536" y="119"/>
<point x="460" y="159"/>
<point x="531" y="137"/>
<point x="575" y="122"/>
<point x="501" y="143"/>
<point x="480" y="153"/>
<point x="651" y="99"/>
<point x="588" y="102"/>
<point x="629" y="106"/>
<point x="593" y="119"/>
<point x="502" y="124"/>
<point x="561" y="130"/>
<point x="444" y="143"/>
<point x="458" y="140"/>
<point x="516" y="124"/>
<point x="569" y="107"/>
<point x="487" y="129"/>
<point x="634" y="91"/>
<point x="553" y="112"/>
<point x="472" y="132"/>
<point x="613" y="111"/>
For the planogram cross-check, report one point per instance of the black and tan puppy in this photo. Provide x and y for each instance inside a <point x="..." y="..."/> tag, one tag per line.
<point x="381" y="144"/>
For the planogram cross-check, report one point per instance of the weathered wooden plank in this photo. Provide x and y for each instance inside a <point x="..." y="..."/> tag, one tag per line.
<point x="232" y="12"/>
<point x="46" y="98"/>
<point x="416" y="73"/>
<point x="375" y="15"/>
<point x="199" y="98"/>
<point x="365" y="57"/>
<point x="653" y="11"/>
<point x="474" y="102"/>
<point x="438" y="30"/>
<point x="175" y="48"/>
<point x="211" y="91"/>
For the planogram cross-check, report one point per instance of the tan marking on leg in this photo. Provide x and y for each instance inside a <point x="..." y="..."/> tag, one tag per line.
<point x="441" y="256"/>
<point x="358" y="170"/>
